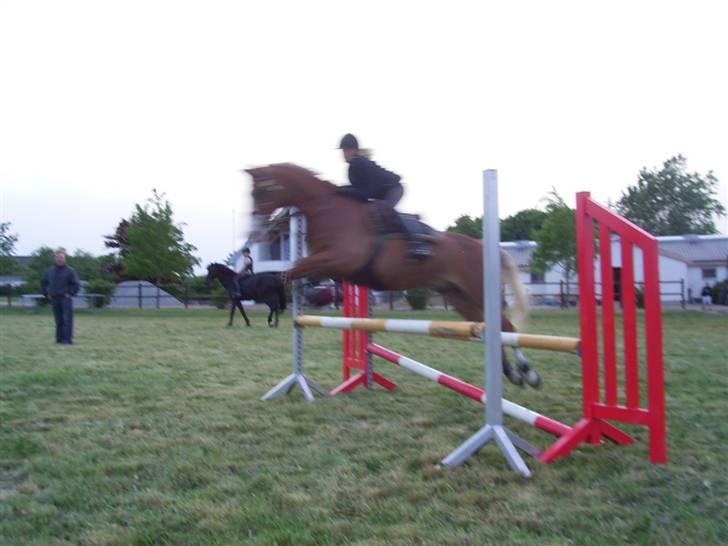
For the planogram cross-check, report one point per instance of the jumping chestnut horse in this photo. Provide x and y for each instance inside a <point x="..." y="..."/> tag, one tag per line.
<point x="343" y="244"/>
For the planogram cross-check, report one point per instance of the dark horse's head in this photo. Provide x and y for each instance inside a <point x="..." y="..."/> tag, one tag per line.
<point x="220" y="272"/>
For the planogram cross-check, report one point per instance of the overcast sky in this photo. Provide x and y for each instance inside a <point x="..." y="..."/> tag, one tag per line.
<point x="102" y="101"/>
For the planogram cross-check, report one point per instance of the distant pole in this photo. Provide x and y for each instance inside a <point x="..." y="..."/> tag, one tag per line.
<point x="232" y="241"/>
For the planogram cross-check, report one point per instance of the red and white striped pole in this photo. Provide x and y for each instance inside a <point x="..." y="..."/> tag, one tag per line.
<point x="453" y="383"/>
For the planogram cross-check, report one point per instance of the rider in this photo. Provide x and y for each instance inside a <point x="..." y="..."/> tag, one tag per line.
<point x="243" y="269"/>
<point x="370" y="181"/>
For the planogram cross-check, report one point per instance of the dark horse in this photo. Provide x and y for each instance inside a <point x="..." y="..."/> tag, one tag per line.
<point x="265" y="288"/>
<point x="343" y="243"/>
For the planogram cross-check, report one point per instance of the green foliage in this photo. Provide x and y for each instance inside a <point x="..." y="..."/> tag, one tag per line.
<point x="672" y="201"/>
<point x="8" y="265"/>
<point x="472" y="227"/>
<point x="100" y="286"/>
<point x="720" y="293"/>
<point x="7" y="240"/>
<point x="523" y="225"/>
<point x="556" y="239"/>
<point x="220" y="297"/>
<point x="418" y="298"/>
<point x="90" y="267"/>
<point x="40" y="260"/>
<point x="157" y="251"/>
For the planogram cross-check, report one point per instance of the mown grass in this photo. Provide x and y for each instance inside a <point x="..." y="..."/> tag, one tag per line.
<point x="150" y="431"/>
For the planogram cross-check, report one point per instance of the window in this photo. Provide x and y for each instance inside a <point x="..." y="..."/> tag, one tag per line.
<point x="709" y="273"/>
<point x="538" y="278"/>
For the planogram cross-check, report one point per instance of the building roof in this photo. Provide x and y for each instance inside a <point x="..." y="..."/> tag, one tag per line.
<point x="696" y="249"/>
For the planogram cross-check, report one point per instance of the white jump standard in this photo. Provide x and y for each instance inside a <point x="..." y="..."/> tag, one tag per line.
<point x="297" y="377"/>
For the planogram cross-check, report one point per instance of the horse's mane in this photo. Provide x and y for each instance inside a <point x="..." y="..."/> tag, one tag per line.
<point x="298" y="171"/>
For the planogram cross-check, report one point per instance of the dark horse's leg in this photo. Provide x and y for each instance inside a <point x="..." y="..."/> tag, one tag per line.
<point x="233" y="303"/>
<point x="242" y="312"/>
<point x="273" y="307"/>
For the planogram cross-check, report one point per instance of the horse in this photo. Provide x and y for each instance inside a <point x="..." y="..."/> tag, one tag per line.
<point x="344" y="244"/>
<point x="267" y="288"/>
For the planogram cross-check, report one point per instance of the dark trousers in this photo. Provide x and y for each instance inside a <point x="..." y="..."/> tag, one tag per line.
<point x="63" y="313"/>
<point x="393" y="195"/>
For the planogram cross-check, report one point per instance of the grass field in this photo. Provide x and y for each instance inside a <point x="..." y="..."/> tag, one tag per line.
<point x="149" y="430"/>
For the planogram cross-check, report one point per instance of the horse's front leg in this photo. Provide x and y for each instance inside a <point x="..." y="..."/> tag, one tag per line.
<point x="232" y="312"/>
<point x="318" y="265"/>
<point x="242" y="312"/>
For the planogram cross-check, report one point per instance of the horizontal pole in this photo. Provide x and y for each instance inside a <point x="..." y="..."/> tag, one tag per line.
<point x="453" y="383"/>
<point x="468" y="331"/>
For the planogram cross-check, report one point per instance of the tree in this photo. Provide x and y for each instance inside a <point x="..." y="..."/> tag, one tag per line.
<point x="8" y="265"/>
<point x="467" y="225"/>
<point x="672" y="201"/>
<point x="523" y="225"/>
<point x="156" y="248"/>
<point x="90" y="267"/>
<point x="40" y="260"/>
<point x="556" y="239"/>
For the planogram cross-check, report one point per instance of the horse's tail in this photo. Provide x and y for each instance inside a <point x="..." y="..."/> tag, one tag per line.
<point x="281" y="289"/>
<point x="519" y="314"/>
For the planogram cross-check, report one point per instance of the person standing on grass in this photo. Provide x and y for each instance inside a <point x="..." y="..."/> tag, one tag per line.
<point x="60" y="283"/>
<point x="706" y="297"/>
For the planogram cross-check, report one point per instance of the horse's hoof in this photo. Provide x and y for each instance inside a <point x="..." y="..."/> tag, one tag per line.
<point x="248" y="325"/>
<point x="532" y="378"/>
<point x="514" y="378"/>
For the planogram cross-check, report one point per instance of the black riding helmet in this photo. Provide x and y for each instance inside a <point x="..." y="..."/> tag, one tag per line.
<point x="349" y="142"/>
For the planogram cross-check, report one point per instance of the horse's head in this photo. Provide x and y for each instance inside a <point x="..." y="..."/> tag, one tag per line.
<point x="210" y="274"/>
<point x="284" y="185"/>
<point x="219" y="272"/>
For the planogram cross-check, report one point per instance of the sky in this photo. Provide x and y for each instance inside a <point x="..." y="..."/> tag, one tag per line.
<point x="102" y="101"/>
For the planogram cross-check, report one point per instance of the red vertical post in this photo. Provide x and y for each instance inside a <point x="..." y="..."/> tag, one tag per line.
<point x="608" y="342"/>
<point x="655" y="374"/>
<point x="587" y="304"/>
<point x="629" y="327"/>
<point x="354" y="345"/>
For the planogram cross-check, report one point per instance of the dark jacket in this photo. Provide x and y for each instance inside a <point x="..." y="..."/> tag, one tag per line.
<point x="707" y="291"/>
<point x="369" y="180"/>
<point x="58" y="281"/>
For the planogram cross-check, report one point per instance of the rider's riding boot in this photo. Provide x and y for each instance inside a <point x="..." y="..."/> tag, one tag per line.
<point x="418" y="249"/>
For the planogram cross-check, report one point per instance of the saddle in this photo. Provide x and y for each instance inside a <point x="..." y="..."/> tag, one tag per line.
<point x="389" y="223"/>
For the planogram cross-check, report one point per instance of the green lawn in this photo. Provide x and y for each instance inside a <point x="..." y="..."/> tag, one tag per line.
<point x="150" y="431"/>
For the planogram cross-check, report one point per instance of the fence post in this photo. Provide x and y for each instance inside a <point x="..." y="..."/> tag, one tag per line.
<point x="187" y="295"/>
<point x="562" y="296"/>
<point x="157" y="296"/>
<point x="682" y="293"/>
<point x="10" y="295"/>
<point x="139" y="294"/>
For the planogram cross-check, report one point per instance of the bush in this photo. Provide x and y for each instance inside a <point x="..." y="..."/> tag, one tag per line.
<point x="220" y="297"/>
<point x="418" y="298"/>
<point x="720" y="293"/>
<point x="639" y="296"/>
<point x="105" y="288"/>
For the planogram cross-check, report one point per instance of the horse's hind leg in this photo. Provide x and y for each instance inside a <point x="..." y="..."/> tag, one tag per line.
<point x="470" y="310"/>
<point x="270" y="316"/>
<point x="529" y="376"/>
<point x="232" y="312"/>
